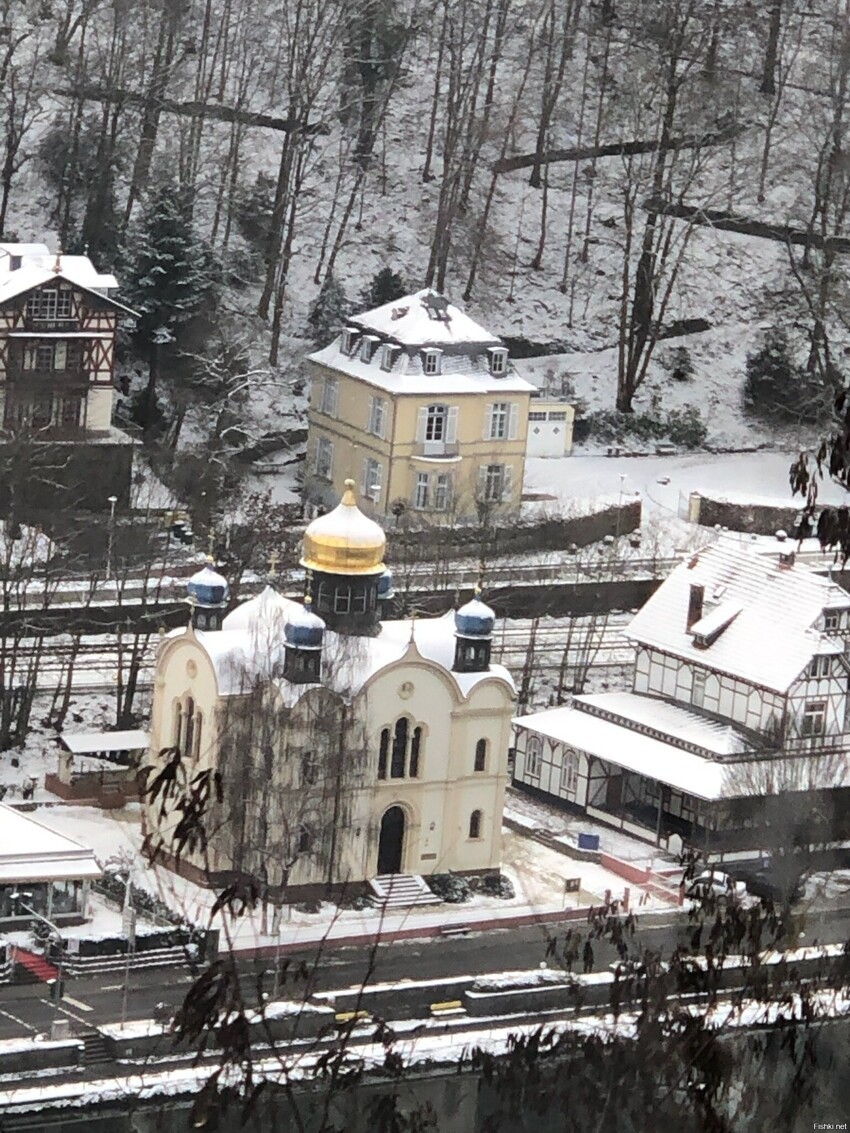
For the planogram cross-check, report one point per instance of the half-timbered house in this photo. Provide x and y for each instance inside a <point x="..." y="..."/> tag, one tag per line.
<point x="736" y="731"/>
<point x="58" y="319"/>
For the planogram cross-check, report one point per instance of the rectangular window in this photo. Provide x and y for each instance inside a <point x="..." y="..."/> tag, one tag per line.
<point x="698" y="689"/>
<point x="45" y="356"/>
<point x="831" y="620"/>
<point x="431" y="361"/>
<point x="435" y="425"/>
<point x="443" y="492"/>
<point x="377" y="416"/>
<point x="820" y="666"/>
<point x="533" y="757"/>
<point x="814" y="718"/>
<point x="499" y="420"/>
<point x="498" y="361"/>
<point x="494" y="483"/>
<point x="421" y="496"/>
<point x="387" y="356"/>
<point x="330" y="396"/>
<point x="537" y="415"/>
<point x="324" y="458"/>
<point x="557" y="415"/>
<point x="373" y="475"/>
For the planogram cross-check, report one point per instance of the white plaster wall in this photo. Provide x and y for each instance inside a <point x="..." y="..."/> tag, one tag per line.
<point x="99" y="408"/>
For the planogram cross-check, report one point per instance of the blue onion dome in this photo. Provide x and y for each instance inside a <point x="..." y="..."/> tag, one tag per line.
<point x="475" y="619"/>
<point x="386" y="587"/>
<point x="303" y="629"/>
<point x="208" y="588"/>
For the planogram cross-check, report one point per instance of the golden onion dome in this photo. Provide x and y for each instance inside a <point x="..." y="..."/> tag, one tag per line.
<point x="344" y="541"/>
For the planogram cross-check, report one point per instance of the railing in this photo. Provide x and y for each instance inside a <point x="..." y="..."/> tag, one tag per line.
<point x="437" y="449"/>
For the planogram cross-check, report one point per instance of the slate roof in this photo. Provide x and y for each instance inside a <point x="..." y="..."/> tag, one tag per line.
<point x="769" y="640"/>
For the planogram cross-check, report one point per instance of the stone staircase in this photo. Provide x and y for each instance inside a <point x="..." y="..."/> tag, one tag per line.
<point x="95" y="1050"/>
<point x="401" y="891"/>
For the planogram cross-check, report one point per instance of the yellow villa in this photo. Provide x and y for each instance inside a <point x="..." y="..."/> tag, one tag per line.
<point x="419" y="404"/>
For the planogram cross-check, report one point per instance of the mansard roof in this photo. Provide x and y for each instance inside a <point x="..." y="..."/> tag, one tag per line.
<point x="766" y="630"/>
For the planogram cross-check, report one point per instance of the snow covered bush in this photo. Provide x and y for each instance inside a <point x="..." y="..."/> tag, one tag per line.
<point x="329" y="311"/>
<point x="683" y="427"/>
<point x="449" y="887"/>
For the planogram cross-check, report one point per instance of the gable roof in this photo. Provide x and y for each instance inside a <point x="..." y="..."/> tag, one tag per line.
<point x="38" y="268"/>
<point x="766" y="633"/>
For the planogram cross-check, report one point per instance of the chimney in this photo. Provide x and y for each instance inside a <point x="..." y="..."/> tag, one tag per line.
<point x="695" y="600"/>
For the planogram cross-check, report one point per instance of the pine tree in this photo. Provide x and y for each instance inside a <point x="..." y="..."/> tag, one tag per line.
<point x="386" y="286"/>
<point x="329" y="311"/>
<point x="170" y="284"/>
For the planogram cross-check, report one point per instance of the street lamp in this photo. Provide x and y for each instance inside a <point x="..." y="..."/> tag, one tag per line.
<point x="16" y="898"/>
<point x="112" y="501"/>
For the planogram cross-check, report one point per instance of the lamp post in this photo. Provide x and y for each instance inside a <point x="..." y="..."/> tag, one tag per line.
<point x="16" y="897"/>
<point x="112" y="501"/>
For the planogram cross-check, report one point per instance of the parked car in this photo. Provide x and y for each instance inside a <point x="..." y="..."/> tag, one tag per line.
<point x="716" y="883"/>
<point x="769" y="884"/>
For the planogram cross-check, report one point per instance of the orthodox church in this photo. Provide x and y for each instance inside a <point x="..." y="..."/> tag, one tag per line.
<point x="311" y="745"/>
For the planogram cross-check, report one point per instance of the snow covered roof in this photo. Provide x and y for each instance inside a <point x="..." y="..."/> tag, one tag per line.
<point x="251" y="644"/>
<point x="676" y="721"/>
<point x="412" y="325"/>
<point x="459" y="374"/>
<point x="770" y="638"/>
<point x="425" y="319"/>
<point x="83" y="743"/>
<point x="38" y="267"/>
<point x="684" y="771"/>
<point x="32" y="852"/>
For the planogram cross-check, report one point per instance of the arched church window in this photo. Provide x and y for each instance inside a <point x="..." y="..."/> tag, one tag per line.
<point x="481" y="755"/>
<point x="475" y="824"/>
<point x="415" y="752"/>
<point x="383" y="752"/>
<point x="188" y="745"/>
<point x="177" y="725"/>
<point x="196" y="740"/>
<point x="399" y="754"/>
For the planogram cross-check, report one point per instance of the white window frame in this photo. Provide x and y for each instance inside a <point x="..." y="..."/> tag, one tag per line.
<point x="698" y="688"/>
<point x="349" y="335"/>
<point x="494" y="483"/>
<point x="422" y="492"/>
<point x="443" y="491"/>
<point x="498" y="361"/>
<point x="533" y="756"/>
<point x="378" y="416"/>
<point x="820" y="666"/>
<point x="499" y="417"/>
<point x="330" y="397"/>
<point x="373" y="476"/>
<point x="388" y="355"/>
<point x="831" y="620"/>
<point x="813" y="722"/>
<point x="368" y="345"/>
<point x="436" y="414"/>
<point x="324" y="458"/>
<point x="431" y="361"/>
<point x="569" y="771"/>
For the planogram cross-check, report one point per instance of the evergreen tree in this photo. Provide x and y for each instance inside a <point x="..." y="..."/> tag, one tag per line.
<point x="778" y="390"/>
<point x="386" y="286"/>
<point x="171" y="283"/>
<point x="329" y="311"/>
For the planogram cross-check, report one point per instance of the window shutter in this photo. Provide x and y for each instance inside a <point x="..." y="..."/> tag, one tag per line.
<point x="451" y="424"/>
<point x="382" y="418"/>
<point x="378" y="482"/>
<point x="482" y="482"/>
<point x="488" y="423"/>
<point x="364" y="480"/>
<point x="513" y="421"/>
<point x="330" y="452"/>
<point x="507" y="484"/>
<point x="370" y="422"/>
<point x="421" y="423"/>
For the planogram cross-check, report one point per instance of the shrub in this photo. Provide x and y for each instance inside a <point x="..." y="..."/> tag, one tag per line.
<point x="496" y="885"/>
<point x="778" y="390"/>
<point x="449" y="887"/>
<point x="684" y="427"/>
<point x="678" y="364"/>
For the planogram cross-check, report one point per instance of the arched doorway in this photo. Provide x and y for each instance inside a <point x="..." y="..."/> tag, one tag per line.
<point x="391" y="842"/>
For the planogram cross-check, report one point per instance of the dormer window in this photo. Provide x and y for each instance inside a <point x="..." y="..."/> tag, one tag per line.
<point x="498" y="361"/>
<point x="388" y="355"/>
<point x="367" y="347"/>
<point x="831" y="620"/>
<point x="431" y="360"/>
<point x="347" y="340"/>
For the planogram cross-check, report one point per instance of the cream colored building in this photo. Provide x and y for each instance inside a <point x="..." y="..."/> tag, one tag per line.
<point x="370" y="748"/>
<point x="420" y="406"/>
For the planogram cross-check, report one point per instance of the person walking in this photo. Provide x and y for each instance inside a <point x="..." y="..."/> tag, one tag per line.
<point x="588" y="957"/>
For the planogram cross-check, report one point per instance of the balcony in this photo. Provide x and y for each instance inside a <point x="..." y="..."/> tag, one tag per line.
<point x="437" y="450"/>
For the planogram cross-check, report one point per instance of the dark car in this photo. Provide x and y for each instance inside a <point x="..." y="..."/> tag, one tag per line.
<point x="770" y="885"/>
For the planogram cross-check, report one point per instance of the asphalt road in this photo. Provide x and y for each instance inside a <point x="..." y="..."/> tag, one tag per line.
<point x="26" y="1010"/>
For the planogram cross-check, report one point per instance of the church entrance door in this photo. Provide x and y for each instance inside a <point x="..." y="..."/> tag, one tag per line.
<point x="392" y="841"/>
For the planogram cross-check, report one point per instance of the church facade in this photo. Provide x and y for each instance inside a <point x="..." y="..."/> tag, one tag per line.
<point x="310" y="745"/>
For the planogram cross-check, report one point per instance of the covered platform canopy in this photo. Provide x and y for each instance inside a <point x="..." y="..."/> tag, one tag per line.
<point x="31" y="852"/>
<point x="95" y="743"/>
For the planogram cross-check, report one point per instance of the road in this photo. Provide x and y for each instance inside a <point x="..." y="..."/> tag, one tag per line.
<point x="26" y="1010"/>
